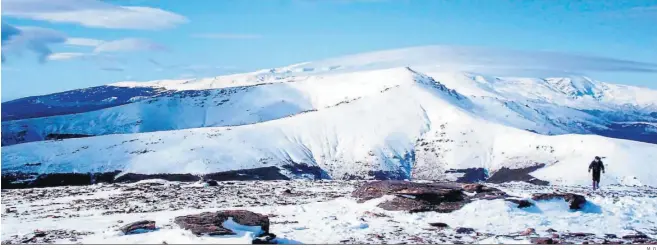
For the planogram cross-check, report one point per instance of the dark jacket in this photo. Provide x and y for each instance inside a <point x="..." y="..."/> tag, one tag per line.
<point x="596" y="166"/>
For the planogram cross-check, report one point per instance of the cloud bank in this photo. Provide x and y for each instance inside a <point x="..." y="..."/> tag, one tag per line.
<point x="15" y="40"/>
<point x="92" y="13"/>
<point x="482" y="60"/>
<point x="129" y="44"/>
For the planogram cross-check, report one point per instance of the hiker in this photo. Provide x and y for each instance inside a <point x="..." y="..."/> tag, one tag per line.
<point x="596" y="166"/>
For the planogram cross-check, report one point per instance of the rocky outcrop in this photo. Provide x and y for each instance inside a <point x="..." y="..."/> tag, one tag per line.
<point x="520" y="203"/>
<point x="517" y="174"/>
<point x="148" y="225"/>
<point x="575" y="201"/>
<point x="209" y="223"/>
<point x="421" y="197"/>
<point x="543" y="241"/>
<point x="15" y="180"/>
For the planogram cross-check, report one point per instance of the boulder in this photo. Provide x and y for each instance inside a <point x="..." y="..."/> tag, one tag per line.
<point x="212" y="183"/>
<point x="635" y="236"/>
<point x="211" y="223"/>
<point x="265" y="239"/>
<point x="575" y="201"/>
<point x="143" y="225"/>
<point x="464" y="230"/>
<point x="528" y="231"/>
<point x="520" y="203"/>
<point x="442" y="197"/>
<point x="439" y="225"/>
<point x="376" y="189"/>
<point x="542" y="241"/>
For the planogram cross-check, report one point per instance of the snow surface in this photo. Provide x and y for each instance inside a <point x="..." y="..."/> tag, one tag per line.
<point x="353" y="115"/>
<point x="340" y="219"/>
<point x="377" y="132"/>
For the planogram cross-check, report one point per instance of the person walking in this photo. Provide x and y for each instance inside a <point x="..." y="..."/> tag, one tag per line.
<point x="596" y="166"/>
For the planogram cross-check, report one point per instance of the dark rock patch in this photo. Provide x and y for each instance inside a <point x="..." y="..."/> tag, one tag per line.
<point x="131" y="177"/>
<point x="65" y="136"/>
<point x="15" y="180"/>
<point x="303" y="170"/>
<point x="635" y="236"/>
<point x="470" y="175"/>
<point x="30" y="180"/>
<point x="212" y="183"/>
<point x="528" y="231"/>
<point x="518" y="174"/>
<point x="464" y="230"/>
<point x="439" y="225"/>
<point x="265" y="239"/>
<point x="386" y="175"/>
<point x="45" y="237"/>
<point x="575" y="201"/>
<point x="134" y="227"/>
<point x="542" y="241"/>
<point x="421" y="197"/>
<point x="578" y="234"/>
<point x="520" y="203"/>
<point x="209" y="223"/>
<point x="377" y="189"/>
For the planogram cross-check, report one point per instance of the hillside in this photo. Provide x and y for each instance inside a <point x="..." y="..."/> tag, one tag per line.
<point x="418" y="129"/>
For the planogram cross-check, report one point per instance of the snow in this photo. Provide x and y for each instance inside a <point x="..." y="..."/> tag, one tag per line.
<point x="353" y="115"/>
<point x="344" y="218"/>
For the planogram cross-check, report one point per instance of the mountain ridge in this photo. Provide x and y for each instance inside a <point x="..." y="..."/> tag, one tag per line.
<point x="407" y="122"/>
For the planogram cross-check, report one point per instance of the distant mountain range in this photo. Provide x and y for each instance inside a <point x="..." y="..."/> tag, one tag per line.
<point x="396" y="119"/>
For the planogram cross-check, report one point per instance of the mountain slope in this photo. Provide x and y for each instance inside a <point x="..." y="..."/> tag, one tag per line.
<point x="419" y="129"/>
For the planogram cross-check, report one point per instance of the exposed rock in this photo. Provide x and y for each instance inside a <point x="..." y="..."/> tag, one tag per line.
<point x="44" y="237"/>
<point x="39" y="233"/>
<point x="212" y="183"/>
<point x="267" y="238"/>
<point x="421" y="197"/>
<point x="212" y="223"/>
<point x="575" y="201"/>
<point x="611" y="236"/>
<point x="517" y="174"/>
<point x="377" y="189"/>
<point x="473" y="187"/>
<point x="528" y="231"/>
<point x="464" y="230"/>
<point x="550" y="230"/>
<point x="635" y="236"/>
<point x="542" y="241"/>
<point x="579" y="234"/>
<point x="132" y="227"/>
<point x="520" y="203"/>
<point x="469" y="175"/>
<point x="439" y="225"/>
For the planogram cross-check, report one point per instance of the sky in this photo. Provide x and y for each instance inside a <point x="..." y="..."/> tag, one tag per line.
<point x="51" y="46"/>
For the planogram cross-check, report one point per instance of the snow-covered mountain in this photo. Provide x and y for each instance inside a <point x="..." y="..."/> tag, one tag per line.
<point x="379" y="115"/>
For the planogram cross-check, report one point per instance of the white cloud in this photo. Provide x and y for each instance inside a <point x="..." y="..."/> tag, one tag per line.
<point x="485" y="60"/>
<point x="15" y="40"/>
<point x="227" y="36"/>
<point x="129" y="44"/>
<point x="92" y="13"/>
<point x="64" y="56"/>
<point x="88" y="42"/>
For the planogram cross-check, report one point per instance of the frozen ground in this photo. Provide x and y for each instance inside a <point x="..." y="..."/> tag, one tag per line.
<point x="318" y="212"/>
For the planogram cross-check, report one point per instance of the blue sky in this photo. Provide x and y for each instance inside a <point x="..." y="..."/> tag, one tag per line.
<point x="81" y="43"/>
